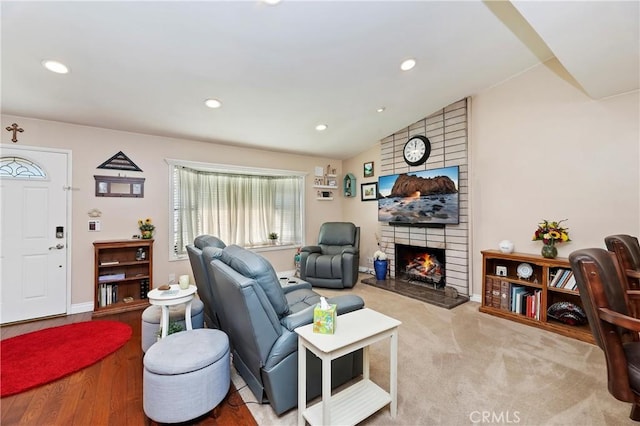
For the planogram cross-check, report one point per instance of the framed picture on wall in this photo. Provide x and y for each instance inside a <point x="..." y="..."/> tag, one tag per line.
<point x="368" y="169"/>
<point x="369" y="191"/>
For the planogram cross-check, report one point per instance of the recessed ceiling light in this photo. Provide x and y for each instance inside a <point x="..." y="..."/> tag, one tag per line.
<point x="213" y="103"/>
<point x="381" y="109"/>
<point x="321" y="127"/>
<point x="55" y="66"/>
<point x="408" y="64"/>
<point x="271" y="2"/>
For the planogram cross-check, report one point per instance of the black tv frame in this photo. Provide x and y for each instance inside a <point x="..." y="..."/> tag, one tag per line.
<point x="425" y="224"/>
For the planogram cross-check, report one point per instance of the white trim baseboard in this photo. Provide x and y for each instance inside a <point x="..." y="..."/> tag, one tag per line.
<point x="79" y="308"/>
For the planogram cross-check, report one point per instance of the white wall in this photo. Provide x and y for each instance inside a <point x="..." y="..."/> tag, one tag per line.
<point x="541" y="149"/>
<point x="92" y="146"/>
<point x="363" y="213"/>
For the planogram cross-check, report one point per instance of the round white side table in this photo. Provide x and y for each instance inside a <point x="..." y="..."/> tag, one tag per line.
<point x="174" y="296"/>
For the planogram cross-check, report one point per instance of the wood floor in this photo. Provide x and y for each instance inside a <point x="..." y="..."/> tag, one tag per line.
<point x="106" y="393"/>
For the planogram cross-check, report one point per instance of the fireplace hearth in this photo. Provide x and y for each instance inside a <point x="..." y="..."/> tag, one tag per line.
<point x="419" y="273"/>
<point x="442" y="298"/>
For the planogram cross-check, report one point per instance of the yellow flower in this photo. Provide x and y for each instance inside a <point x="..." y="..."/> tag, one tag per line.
<point x="145" y="225"/>
<point x="551" y="232"/>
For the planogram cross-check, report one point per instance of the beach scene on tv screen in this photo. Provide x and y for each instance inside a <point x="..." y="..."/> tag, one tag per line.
<point x="428" y="196"/>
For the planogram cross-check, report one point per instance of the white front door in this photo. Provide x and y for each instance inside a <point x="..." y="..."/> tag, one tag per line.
<point x="34" y="233"/>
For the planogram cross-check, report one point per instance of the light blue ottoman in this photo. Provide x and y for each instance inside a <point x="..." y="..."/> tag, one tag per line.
<point x="151" y="320"/>
<point x="186" y="375"/>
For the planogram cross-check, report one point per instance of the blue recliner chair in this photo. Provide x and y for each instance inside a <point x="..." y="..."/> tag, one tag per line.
<point x="201" y="276"/>
<point x="259" y="316"/>
<point x="334" y="261"/>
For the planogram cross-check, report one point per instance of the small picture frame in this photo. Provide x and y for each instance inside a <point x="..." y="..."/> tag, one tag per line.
<point x="369" y="191"/>
<point x="501" y="271"/>
<point x="367" y="169"/>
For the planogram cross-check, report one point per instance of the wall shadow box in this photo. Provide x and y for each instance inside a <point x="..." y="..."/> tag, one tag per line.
<point x="117" y="186"/>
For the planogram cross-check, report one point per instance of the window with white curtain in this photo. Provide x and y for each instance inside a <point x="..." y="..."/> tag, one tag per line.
<point x="236" y="204"/>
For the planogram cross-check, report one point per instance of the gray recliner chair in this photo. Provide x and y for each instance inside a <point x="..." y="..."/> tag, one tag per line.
<point x="260" y="316"/>
<point x="201" y="276"/>
<point x="334" y="261"/>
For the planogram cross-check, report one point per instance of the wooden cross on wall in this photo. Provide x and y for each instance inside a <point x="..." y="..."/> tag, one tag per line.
<point x="15" y="129"/>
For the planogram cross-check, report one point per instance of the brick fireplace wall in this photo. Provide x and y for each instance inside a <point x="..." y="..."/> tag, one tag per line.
<point x="447" y="131"/>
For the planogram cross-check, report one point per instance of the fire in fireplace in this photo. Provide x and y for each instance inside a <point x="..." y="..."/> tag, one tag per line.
<point x="422" y="265"/>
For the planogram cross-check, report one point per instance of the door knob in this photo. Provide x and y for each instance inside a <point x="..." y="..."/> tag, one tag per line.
<point x="57" y="247"/>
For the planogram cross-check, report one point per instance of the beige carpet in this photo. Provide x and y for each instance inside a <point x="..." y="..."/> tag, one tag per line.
<point x="454" y="365"/>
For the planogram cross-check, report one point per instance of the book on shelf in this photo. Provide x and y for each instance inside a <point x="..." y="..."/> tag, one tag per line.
<point x="488" y="289"/>
<point x="571" y="283"/>
<point x="495" y="293"/>
<point x="558" y="277"/>
<point x="522" y="302"/>
<point x="102" y="298"/>
<point x="563" y="278"/>
<point x="489" y="294"/>
<point x="538" y="302"/>
<point x="529" y="303"/>
<point x="553" y="278"/>
<point x="110" y="262"/>
<point x="144" y="288"/>
<point x="533" y="305"/>
<point x="505" y="295"/>
<point x="516" y="297"/>
<point x="111" y="277"/>
<point x="107" y="295"/>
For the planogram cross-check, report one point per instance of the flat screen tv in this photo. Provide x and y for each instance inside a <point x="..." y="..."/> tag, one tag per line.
<point x="428" y="197"/>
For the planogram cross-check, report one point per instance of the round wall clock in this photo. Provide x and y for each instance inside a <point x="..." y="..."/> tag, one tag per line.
<point x="416" y="150"/>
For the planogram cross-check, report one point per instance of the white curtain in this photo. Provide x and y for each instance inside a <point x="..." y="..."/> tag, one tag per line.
<point x="238" y="209"/>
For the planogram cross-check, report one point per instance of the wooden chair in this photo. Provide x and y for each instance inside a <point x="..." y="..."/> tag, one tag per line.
<point x="627" y="251"/>
<point x="598" y="276"/>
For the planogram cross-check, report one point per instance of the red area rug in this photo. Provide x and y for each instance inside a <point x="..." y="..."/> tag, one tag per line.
<point x="43" y="356"/>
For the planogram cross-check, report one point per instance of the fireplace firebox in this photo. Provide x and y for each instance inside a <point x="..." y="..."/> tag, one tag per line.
<point x="420" y="265"/>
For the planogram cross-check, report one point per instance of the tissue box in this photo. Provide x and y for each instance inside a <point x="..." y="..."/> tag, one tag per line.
<point x="324" y="320"/>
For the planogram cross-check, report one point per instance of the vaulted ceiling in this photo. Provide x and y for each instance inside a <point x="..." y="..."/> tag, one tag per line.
<point x="280" y="70"/>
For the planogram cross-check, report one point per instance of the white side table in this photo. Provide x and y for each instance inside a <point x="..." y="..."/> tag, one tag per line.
<point x="174" y="296"/>
<point x="354" y="330"/>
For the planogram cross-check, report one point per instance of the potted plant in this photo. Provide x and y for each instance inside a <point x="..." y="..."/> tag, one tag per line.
<point x="146" y="228"/>
<point x="380" y="265"/>
<point x="273" y="238"/>
<point x="550" y="233"/>
<point x="174" y="327"/>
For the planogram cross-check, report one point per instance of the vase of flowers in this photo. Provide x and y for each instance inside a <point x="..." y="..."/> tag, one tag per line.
<point x="146" y="228"/>
<point x="551" y="233"/>
<point x="380" y="265"/>
<point x="273" y="238"/>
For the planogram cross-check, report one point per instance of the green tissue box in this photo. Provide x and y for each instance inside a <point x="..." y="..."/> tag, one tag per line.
<point x="324" y="320"/>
